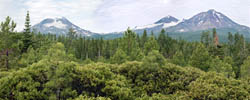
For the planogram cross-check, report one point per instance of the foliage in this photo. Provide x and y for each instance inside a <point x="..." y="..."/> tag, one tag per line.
<point x="119" y="57"/>
<point x="179" y="59"/>
<point x="222" y="67"/>
<point x="35" y="66"/>
<point x="245" y="69"/>
<point x="214" y="86"/>
<point x="200" y="58"/>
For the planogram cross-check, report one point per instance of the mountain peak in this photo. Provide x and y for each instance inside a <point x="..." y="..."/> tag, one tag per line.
<point x="207" y="20"/>
<point x="167" y="19"/>
<point x="60" y="17"/>
<point x="168" y="16"/>
<point x="59" y="25"/>
<point x="214" y="13"/>
<point x="211" y="10"/>
<point x="56" y="18"/>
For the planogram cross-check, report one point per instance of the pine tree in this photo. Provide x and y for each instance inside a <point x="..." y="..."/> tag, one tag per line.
<point x="119" y="57"/>
<point x="151" y="45"/>
<point x="7" y="43"/>
<point x="162" y="41"/>
<point x="239" y="53"/>
<point x="71" y="36"/>
<point x="100" y="47"/>
<point x="144" y="39"/>
<point x="200" y="58"/>
<point x="129" y="43"/>
<point x="179" y="59"/>
<point x="205" y="38"/>
<point x="27" y="39"/>
<point x="222" y="67"/>
<point x="230" y="43"/>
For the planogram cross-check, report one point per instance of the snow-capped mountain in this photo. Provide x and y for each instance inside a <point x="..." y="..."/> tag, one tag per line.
<point x="207" y="20"/>
<point x="59" y="25"/>
<point x="163" y="23"/>
<point x="167" y="19"/>
<point x="202" y="21"/>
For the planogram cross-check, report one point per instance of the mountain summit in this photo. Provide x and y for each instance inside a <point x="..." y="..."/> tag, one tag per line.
<point x="59" y="25"/>
<point x="206" y="20"/>
<point x="167" y="19"/>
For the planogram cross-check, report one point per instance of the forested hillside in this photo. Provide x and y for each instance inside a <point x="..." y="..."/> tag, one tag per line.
<point x="35" y="66"/>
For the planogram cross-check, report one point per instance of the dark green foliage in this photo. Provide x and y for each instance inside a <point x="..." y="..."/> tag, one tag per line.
<point x="27" y="36"/>
<point x="206" y="38"/>
<point x="9" y="44"/>
<point x="245" y="69"/>
<point x="222" y="67"/>
<point x="166" y="79"/>
<point x="119" y="57"/>
<point x="179" y="59"/>
<point x="150" y="45"/>
<point x="154" y="59"/>
<point x="200" y="58"/>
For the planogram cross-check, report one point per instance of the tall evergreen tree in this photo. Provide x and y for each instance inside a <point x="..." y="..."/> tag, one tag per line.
<point x="144" y="39"/>
<point x="239" y="53"/>
<point x="205" y="38"/>
<point x="27" y="36"/>
<point x="129" y="43"/>
<point x="71" y="36"/>
<point x="7" y="43"/>
<point x="162" y="41"/>
<point x="230" y="43"/>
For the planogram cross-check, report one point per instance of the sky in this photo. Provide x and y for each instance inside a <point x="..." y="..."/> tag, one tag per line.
<point x="105" y="16"/>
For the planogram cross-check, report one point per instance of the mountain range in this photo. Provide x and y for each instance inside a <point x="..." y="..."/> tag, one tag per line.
<point x="187" y="28"/>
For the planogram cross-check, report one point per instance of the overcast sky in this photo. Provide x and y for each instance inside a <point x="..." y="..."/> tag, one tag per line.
<point x="118" y="15"/>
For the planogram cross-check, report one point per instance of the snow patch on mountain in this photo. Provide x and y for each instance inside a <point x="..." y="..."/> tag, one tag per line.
<point x="219" y="15"/>
<point x="181" y="30"/>
<point x="166" y="25"/>
<point x="163" y="25"/>
<point x="57" y="24"/>
<point x="146" y="26"/>
<point x="200" y="22"/>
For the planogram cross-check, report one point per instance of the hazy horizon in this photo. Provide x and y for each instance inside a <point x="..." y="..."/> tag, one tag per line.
<point x="104" y="16"/>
